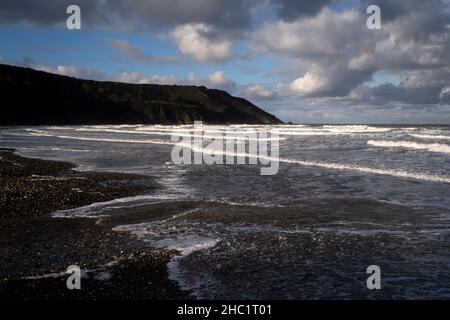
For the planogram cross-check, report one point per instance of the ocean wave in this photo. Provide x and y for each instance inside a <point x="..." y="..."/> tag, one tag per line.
<point x="39" y="133"/>
<point x="205" y="136"/>
<point x="160" y="142"/>
<point x="244" y="129"/>
<point x="355" y="129"/>
<point x="430" y="137"/>
<point x="432" y="147"/>
<point x="387" y="172"/>
<point x="335" y="166"/>
<point x="318" y="164"/>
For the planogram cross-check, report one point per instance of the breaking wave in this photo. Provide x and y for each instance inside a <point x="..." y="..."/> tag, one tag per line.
<point x="432" y="147"/>
<point x="430" y="137"/>
<point x="326" y="165"/>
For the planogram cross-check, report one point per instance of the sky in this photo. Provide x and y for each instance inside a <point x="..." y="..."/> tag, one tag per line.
<point x="305" y="61"/>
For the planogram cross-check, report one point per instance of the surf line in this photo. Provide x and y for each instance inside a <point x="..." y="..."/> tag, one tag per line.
<point x="326" y="165"/>
<point x="342" y="167"/>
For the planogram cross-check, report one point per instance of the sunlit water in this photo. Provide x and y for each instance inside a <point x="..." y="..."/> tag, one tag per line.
<point x="345" y="197"/>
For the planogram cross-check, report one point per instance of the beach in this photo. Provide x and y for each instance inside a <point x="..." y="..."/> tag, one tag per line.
<point x="36" y="248"/>
<point x="112" y="202"/>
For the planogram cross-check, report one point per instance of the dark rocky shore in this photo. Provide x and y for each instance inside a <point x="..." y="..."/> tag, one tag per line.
<point x="36" y="249"/>
<point x="33" y="187"/>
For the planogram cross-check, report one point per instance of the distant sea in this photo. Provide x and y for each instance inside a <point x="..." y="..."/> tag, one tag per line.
<point x="345" y="197"/>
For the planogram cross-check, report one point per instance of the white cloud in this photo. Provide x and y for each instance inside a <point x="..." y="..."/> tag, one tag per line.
<point x="72" y="71"/>
<point x="309" y="38"/>
<point x="136" y="77"/>
<point x="331" y="51"/>
<point x="309" y="85"/>
<point x="218" y="78"/>
<point x="258" y="92"/>
<point x="192" y="39"/>
<point x="215" y="80"/>
<point x="334" y="53"/>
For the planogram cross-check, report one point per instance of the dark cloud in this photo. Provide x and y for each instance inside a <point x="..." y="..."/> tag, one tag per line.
<point x="417" y="87"/>
<point x="130" y="14"/>
<point x="393" y="9"/>
<point x="41" y="12"/>
<point x="292" y="9"/>
<point x="421" y="95"/>
<point x="230" y="16"/>
<point x="390" y="9"/>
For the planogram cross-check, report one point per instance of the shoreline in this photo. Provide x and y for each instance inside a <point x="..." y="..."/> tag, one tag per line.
<point x="35" y="187"/>
<point x="34" y="246"/>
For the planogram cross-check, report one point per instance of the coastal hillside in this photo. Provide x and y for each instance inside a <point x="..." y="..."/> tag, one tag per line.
<point x="31" y="97"/>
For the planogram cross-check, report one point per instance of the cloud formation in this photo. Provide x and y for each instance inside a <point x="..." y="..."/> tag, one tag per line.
<point x="197" y="41"/>
<point x="215" y="80"/>
<point x="136" y="77"/>
<point x="130" y="14"/>
<point x="73" y="71"/>
<point x="292" y="9"/>
<point x="259" y="93"/>
<point x="335" y="60"/>
<point x="323" y="59"/>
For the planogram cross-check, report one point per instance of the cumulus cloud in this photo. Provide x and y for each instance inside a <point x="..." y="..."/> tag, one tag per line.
<point x="72" y="71"/>
<point x="215" y="80"/>
<point x="136" y="77"/>
<point x="331" y="47"/>
<point x="197" y="40"/>
<point x="323" y="58"/>
<point x="334" y="53"/>
<point x="310" y="85"/>
<point x="259" y="93"/>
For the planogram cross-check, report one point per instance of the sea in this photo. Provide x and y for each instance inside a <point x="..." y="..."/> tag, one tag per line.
<point x="345" y="197"/>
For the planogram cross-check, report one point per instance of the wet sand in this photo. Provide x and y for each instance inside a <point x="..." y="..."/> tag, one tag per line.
<point x="36" y="249"/>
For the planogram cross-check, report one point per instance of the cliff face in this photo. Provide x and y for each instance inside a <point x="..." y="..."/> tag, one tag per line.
<point x="31" y="97"/>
